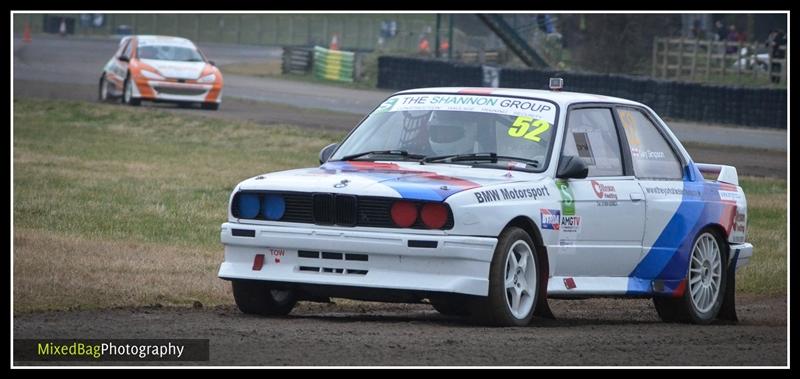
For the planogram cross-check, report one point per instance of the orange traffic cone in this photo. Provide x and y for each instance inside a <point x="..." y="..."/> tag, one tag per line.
<point x="26" y="33"/>
<point x="334" y="43"/>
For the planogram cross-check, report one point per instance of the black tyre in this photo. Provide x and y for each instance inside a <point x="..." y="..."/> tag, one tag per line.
<point x="127" y="93"/>
<point x="513" y="282"/>
<point x="102" y="90"/>
<point x="706" y="279"/>
<point x="210" y="106"/>
<point x="451" y="307"/>
<point x="253" y="297"/>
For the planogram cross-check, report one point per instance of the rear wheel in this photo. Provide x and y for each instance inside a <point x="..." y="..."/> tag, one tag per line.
<point x="705" y="283"/>
<point x="127" y="93"/>
<point x="253" y="297"/>
<point x="513" y="282"/>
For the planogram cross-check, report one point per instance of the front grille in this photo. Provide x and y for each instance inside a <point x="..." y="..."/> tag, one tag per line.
<point x="324" y="209"/>
<point x="335" y="209"/>
<point x="187" y="91"/>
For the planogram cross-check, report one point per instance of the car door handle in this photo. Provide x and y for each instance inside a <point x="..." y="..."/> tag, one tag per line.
<point x="636" y="196"/>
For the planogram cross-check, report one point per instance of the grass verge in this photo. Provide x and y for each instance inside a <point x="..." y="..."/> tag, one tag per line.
<point x="119" y="206"/>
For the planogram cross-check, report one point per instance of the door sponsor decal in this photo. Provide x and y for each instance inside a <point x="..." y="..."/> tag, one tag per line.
<point x="606" y="194"/>
<point x="551" y="218"/>
<point x="567" y="198"/>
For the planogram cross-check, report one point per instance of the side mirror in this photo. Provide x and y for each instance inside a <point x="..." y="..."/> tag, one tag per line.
<point x="212" y="63"/>
<point x="123" y="58"/>
<point x="572" y="167"/>
<point x="326" y="152"/>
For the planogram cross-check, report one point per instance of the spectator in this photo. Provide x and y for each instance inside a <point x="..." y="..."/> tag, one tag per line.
<point x="776" y="39"/>
<point x="697" y="30"/>
<point x="719" y="31"/>
<point x="733" y="36"/>
<point x="424" y="45"/>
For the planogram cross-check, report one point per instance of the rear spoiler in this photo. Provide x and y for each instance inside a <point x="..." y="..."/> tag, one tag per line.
<point x="725" y="174"/>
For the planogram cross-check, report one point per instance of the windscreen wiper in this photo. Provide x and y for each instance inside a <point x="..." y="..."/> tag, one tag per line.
<point x="402" y="153"/>
<point x="477" y="157"/>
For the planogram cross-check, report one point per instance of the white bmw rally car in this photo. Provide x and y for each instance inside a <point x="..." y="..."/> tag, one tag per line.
<point x="488" y="201"/>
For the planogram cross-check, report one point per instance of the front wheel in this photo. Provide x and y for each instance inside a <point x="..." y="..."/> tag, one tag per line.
<point x="705" y="283"/>
<point x="513" y="282"/>
<point x="253" y="297"/>
<point x="102" y="91"/>
<point x="127" y="94"/>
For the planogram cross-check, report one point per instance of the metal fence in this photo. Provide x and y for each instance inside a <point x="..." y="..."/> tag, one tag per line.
<point x="715" y="61"/>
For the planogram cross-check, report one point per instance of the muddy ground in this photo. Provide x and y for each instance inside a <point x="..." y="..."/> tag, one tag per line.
<point x="587" y="332"/>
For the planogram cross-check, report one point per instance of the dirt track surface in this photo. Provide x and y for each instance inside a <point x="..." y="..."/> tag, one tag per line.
<point x="588" y="332"/>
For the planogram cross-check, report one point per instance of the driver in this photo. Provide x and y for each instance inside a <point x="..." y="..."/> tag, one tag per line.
<point x="452" y="132"/>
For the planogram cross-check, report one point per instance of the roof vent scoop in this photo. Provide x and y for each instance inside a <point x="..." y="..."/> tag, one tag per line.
<point x="556" y="84"/>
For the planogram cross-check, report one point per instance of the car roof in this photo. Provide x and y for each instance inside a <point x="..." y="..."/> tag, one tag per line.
<point x="145" y="40"/>
<point x="563" y="98"/>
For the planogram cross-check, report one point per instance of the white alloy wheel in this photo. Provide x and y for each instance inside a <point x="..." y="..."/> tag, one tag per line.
<point x="705" y="273"/>
<point x="520" y="279"/>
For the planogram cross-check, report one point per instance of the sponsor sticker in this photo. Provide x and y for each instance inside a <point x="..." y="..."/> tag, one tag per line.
<point x="502" y="194"/>
<point x="534" y="109"/>
<point x="551" y="218"/>
<point x="729" y="195"/>
<point x="567" y="198"/>
<point x="570" y="224"/>
<point x="584" y="147"/>
<point x="606" y="194"/>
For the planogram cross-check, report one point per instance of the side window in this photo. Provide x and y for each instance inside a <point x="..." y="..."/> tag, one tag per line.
<point x="128" y="49"/>
<point x="651" y="154"/>
<point x="122" y="47"/>
<point x="592" y="136"/>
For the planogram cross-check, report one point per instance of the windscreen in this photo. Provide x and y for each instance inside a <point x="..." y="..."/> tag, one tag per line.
<point x="435" y="125"/>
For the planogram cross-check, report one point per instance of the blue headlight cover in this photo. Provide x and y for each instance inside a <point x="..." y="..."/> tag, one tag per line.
<point x="274" y="206"/>
<point x="248" y="205"/>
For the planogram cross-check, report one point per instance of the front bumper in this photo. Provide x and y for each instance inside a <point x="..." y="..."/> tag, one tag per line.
<point x="170" y="90"/>
<point x="741" y="253"/>
<point x="365" y="259"/>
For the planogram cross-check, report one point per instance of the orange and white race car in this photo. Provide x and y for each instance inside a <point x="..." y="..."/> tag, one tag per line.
<point x="161" y="69"/>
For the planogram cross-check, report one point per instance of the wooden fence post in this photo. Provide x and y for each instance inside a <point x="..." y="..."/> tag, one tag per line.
<point x="680" y="59"/>
<point x="666" y="59"/>
<point x="694" y="57"/>
<point x="724" y="57"/>
<point x="709" y="49"/>
<point x="655" y="56"/>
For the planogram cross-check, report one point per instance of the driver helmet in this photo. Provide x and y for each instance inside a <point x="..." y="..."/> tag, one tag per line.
<point x="452" y="132"/>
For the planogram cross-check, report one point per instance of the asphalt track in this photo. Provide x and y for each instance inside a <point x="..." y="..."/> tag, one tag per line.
<point x="587" y="332"/>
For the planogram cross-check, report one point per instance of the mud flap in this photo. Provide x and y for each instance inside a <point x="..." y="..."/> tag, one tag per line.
<point x="542" y="307"/>
<point x="727" y="311"/>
